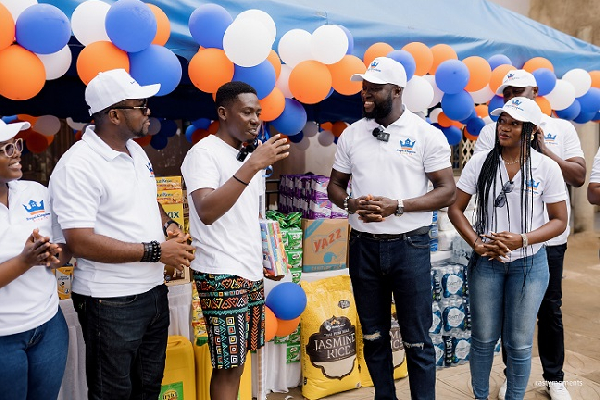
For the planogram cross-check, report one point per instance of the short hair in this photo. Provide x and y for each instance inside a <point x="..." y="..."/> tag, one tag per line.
<point x="230" y="91"/>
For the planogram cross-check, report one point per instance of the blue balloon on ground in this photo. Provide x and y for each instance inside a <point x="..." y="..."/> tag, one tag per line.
<point x="546" y="80"/>
<point x="406" y="59"/>
<point x="293" y="118"/>
<point x="497" y="60"/>
<point x="452" y="76"/>
<point x="287" y="301"/>
<point x="495" y="102"/>
<point x="458" y="106"/>
<point x="207" y="25"/>
<point x="584" y="117"/>
<point x="571" y="112"/>
<point x="475" y="125"/>
<point x="296" y="138"/>
<point x="168" y="128"/>
<point x="453" y="134"/>
<point x="590" y="102"/>
<point x="43" y="29"/>
<point x="156" y="64"/>
<point x="350" y="39"/>
<point x="202" y="123"/>
<point x="261" y="77"/>
<point x="130" y="25"/>
<point x="159" y="142"/>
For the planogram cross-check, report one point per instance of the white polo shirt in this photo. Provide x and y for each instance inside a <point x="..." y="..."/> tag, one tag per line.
<point x="94" y="186"/>
<point x="394" y="169"/>
<point x="547" y="187"/>
<point x="31" y="299"/>
<point x="232" y="244"/>
<point x="560" y="137"/>
<point x="595" y="175"/>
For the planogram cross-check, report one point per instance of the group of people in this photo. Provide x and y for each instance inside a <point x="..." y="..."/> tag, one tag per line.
<point x="101" y="208"/>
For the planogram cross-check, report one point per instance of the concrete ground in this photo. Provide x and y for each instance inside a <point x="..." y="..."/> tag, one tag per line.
<point x="581" y="318"/>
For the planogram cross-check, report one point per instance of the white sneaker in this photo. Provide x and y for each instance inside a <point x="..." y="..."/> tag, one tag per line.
<point x="502" y="392"/>
<point x="558" y="391"/>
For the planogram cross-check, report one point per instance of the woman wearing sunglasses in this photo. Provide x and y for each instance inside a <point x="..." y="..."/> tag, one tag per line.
<point x="33" y="332"/>
<point x="508" y="271"/>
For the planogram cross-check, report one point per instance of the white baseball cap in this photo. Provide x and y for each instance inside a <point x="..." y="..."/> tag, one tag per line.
<point x="522" y="109"/>
<point x="517" y="78"/>
<point x="110" y="87"/>
<point x="383" y="70"/>
<point x="9" y="131"/>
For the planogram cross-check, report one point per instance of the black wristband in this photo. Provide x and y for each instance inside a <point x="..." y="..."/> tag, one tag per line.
<point x="166" y="225"/>
<point x="152" y="252"/>
<point x="239" y="180"/>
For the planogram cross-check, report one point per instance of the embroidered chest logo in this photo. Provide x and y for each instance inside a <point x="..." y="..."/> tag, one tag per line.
<point x="550" y="140"/>
<point x="36" y="210"/>
<point x="533" y="186"/>
<point x="407" y="146"/>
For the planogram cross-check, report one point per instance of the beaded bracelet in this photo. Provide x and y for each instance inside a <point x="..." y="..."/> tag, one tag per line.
<point x="152" y="252"/>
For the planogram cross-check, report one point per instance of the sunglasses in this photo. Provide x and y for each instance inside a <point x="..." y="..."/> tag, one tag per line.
<point x="501" y="199"/>
<point x="143" y="108"/>
<point x="9" y="149"/>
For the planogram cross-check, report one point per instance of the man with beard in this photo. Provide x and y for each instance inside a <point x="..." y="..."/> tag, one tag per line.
<point x="103" y="192"/>
<point x="391" y="154"/>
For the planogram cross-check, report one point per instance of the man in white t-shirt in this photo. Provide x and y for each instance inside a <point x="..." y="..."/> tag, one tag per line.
<point x="593" y="190"/>
<point x="103" y="192"/>
<point x="224" y="182"/>
<point x="391" y="154"/>
<point x="559" y="142"/>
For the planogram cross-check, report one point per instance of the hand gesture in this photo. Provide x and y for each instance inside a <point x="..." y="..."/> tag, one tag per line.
<point x="500" y="244"/>
<point x="268" y="275"/>
<point x="375" y="208"/>
<point x="176" y="251"/>
<point x="269" y="152"/>
<point x="37" y="250"/>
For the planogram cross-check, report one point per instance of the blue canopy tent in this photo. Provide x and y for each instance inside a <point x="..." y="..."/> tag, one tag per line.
<point x="471" y="27"/>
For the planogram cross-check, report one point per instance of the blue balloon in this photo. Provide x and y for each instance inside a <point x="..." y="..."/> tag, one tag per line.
<point x="453" y="134"/>
<point x="43" y="29"/>
<point x="584" y="117"/>
<point x="156" y="64"/>
<point x="475" y="125"/>
<point x="350" y="39"/>
<point x="287" y="301"/>
<point x="497" y="60"/>
<point x="458" y="106"/>
<point x="9" y="118"/>
<point x="293" y="118"/>
<point x="189" y="131"/>
<point x="596" y="117"/>
<point x="330" y="93"/>
<point x="590" y="102"/>
<point x="546" y="80"/>
<point x="207" y="25"/>
<point x="571" y="112"/>
<point x="495" y="102"/>
<point x="159" y="142"/>
<point x="202" y="123"/>
<point x="130" y="25"/>
<point x="296" y="138"/>
<point x="406" y="59"/>
<point x="452" y="76"/>
<point x="261" y="77"/>
<point x="168" y="128"/>
<point x="472" y="115"/>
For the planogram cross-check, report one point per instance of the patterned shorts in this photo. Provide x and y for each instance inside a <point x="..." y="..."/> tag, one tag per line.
<point x="233" y="308"/>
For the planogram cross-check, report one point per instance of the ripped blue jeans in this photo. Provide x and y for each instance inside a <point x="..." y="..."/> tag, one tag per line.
<point x="402" y="268"/>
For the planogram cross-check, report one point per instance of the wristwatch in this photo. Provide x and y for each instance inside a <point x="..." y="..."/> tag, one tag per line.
<point x="400" y="210"/>
<point x="166" y="225"/>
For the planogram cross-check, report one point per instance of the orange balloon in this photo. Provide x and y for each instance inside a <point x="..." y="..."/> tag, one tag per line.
<point x="441" y="53"/>
<point x="338" y="127"/>
<point x="163" y="26"/>
<point x="143" y="141"/>
<point x="213" y="127"/>
<point x="7" y="28"/>
<point x="327" y="126"/>
<point x="595" y="75"/>
<point x="469" y="136"/>
<point x="422" y="55"/>
<point x="199" y="134"/>
<point x="285" y="328"/>
<point x="22" y="74"/>
<point x="99" y="57"/>
<point x="498" y="75"/>
<point x="272" y="105"/>
<point x="78" y="135"/>
<point x="210" y="69"/>
<point x="379" y="49"/>
<point x="310" y="82"/>
<point x="27" y="118"/>
<point x="544" y="105"/>
<point x="481" y="110"/>
<point x="270" y="324"/>
<point x="341" y="72"/>
<point x="479" y="72"/>
<point x="24" y="134"/>
<point x="443" y="120"/>
<point x="275" y="61"/>
<point x="36" y="143"/>
<point x="536" y="63"/>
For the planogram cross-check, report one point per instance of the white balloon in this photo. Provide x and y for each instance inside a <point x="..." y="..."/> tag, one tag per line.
<point x="75" y="125"/>
<point x="329" y="44"/>
<point x="16" y="7"/>
<point x="56" y="64"/>
<point x="154" y="127"/>
<point x="562" y="96"/>
<point x="580" y="79"/>
<point x="47" y="125"/>
<point x="437" y="93"/>
<point x="326" y="138"/>
<point x="303" y="145"/>
<point x="433" y="115"/>
<point x="262" y="17"/>
<point x="88" y="20"/>
<point x="283" y="81"/>
<point x="487" y="119"/>
<point x="417" y="94"/>
<point x="247" y="42"/>
<point x="295" y="47"/>
<point x="310" y="129"/>
<point x="482" y="95"/>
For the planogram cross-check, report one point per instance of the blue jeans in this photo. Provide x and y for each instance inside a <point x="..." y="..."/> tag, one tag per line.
<point x="126" y="341"/>
<point x="33" y="362"/>
<point x="505" y="298"/>
<point x="402" y="268"/>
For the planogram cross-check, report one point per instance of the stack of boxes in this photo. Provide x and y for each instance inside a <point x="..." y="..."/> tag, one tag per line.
<point x="307" y="194"/>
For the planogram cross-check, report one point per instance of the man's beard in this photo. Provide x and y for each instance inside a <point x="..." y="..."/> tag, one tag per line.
<point x="380" y="111"/>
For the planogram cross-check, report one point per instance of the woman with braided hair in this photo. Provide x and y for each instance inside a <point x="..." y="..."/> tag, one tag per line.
<point x="508" y="271"/>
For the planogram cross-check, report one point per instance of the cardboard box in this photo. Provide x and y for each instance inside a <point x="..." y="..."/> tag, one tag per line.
<point x="175" y="277"/>
<point x="169" y="182"/>
<point x="64" y="279"/>
<point x="324" y="244"/>
<point x="170" y="196"/>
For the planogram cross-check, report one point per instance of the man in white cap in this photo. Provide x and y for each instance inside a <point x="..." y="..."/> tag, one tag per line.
<point x="558" y="141"/>
<point x="103" y="191"/>
<point x="391" y="154"/>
